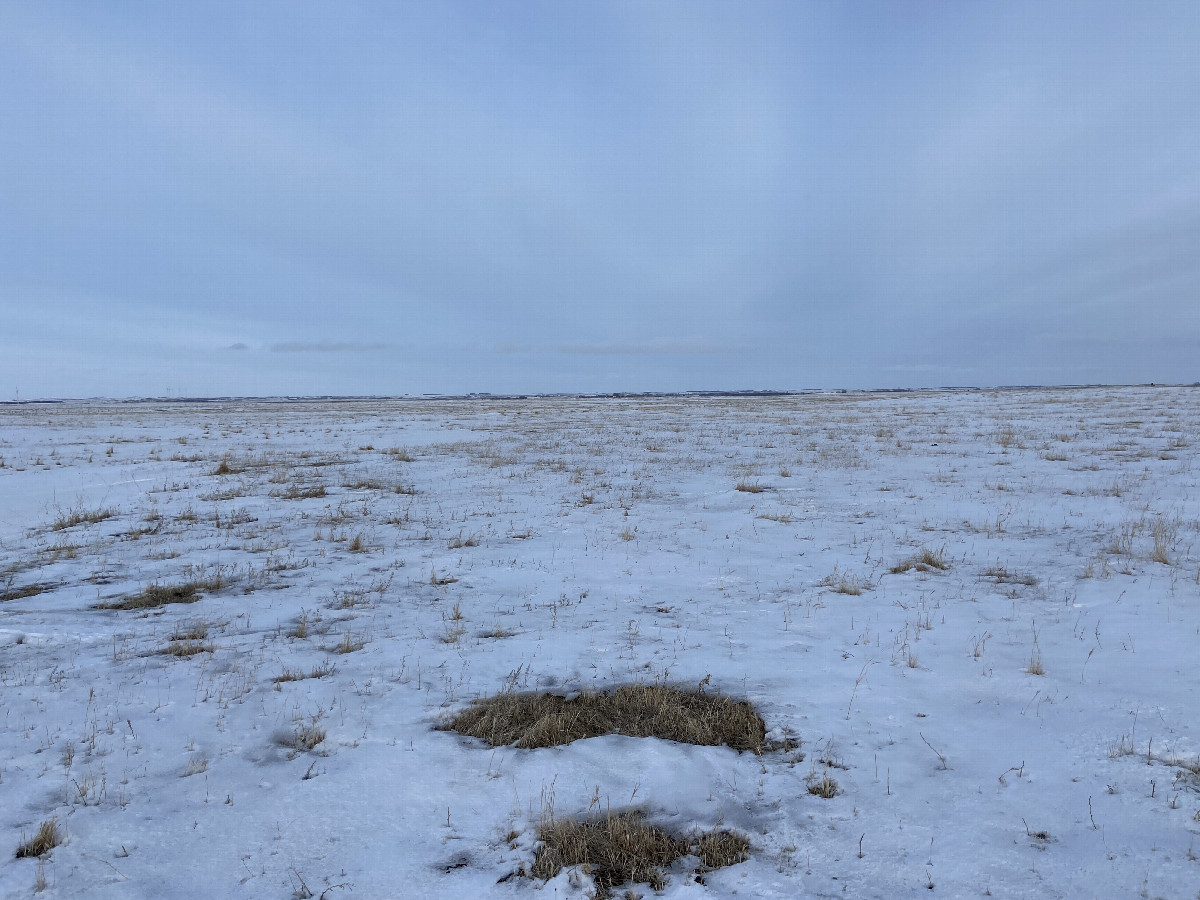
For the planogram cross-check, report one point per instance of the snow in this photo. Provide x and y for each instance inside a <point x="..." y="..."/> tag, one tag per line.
<point x="595" y="542"/>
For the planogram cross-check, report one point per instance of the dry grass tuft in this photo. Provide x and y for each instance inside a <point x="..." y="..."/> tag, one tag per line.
<point x="1036" y="666"/>
<point x="325" y="668"/>
<point x="718" y="849"/>
<point x="750" y="487"/>
<point x="27" y="590"/>
<point x="156" y="595"/>
<point x="185" y="648"/>
<point x="196" y="631"/>
<point x="1003" y="576"/>
<point x="925" y="561"/>
<point x="48" y="836"/>
<point x="622" y="848"/>
<point x="845" y="583"/>
<point x="304" y="738"/>
<point x="637" y="710"/>
<point x="300" y="492"/>
<point x="82" y="517"/>
<point x="824" y="787"/>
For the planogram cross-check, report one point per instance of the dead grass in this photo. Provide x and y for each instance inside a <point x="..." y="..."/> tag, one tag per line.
<point x="750" y="487"/>
<point x="195" y="631"/>
<point x="186" y="648"/>
<point x="26" y="590"/>
<point x="1003" y="576"/>
<point x="925" y="561"/>
<point x="156" y="595"/>
<point x="325" y="668"/>
<point x="300" y="492"/>
<point x="637" y="710"/>
<point x="622" y="848"/>
<point x="305" y="738"/>
<point x="824" y="787"/>
<point x="48" y="836"/>
<point x="845" y="583"/>
<point x="74" y="517"/>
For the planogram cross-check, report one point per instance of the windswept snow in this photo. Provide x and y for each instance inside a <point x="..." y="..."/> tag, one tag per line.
<point x="1023" y="721"/>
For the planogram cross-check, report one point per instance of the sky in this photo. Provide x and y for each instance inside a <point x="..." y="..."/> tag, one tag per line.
<point x="253" y="199"/>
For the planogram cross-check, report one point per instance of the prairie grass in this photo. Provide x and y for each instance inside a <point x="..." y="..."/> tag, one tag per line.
<point x="824" y="787"/>
<point x="925" y="561"/>
<point x="305" y="738"/>
<point x="26" y="590"/>
<point x="185" y="648"/>
<point x="623" y="848"/>
<point x="80" y="516"/>
<point x="1003" y="576"/>
<point x="533" y="720"/>
<point x="318" y="671"/>
<point x="300" y="492"/>
<point x="156" y="595"/>
<point x="47" y="837"/>
<point x="845" y="583"/>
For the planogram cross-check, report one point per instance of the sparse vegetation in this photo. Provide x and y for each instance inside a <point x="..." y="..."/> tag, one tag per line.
<point x="1003" y="576"/>
<point x="317" y="671"/>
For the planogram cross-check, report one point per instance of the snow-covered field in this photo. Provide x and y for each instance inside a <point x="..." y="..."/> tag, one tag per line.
<point x="1024" y="721"/>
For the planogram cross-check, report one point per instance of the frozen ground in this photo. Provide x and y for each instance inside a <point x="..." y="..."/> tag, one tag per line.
<point x="1023" y="722"/>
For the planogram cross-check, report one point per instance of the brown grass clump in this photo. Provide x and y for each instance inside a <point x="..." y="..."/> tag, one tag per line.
<point x="325" y="668"/>
<point x="622" y="848"/>
<point x="161" y="594"/>
<point x="186" y="648"/>
<point x="27" y="590"/>
<point x="548" y="720"/>
<point x="1003" y="576"/>
<point x="718" y="849"/>
<point x="301" y="492"/>
<point x="925" y="561"/>
<point x="48" y="836"/>
<point x="75" y="517"/>
<point x="824" y="787"/>
<point x="304" y="738"/>
<point x="750" y="487"/>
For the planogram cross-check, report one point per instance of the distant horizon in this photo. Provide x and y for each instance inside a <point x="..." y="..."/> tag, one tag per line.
<point x="585" y="395"/>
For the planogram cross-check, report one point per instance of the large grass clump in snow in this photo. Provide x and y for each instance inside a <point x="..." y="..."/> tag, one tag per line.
<point x="532" y="720"/>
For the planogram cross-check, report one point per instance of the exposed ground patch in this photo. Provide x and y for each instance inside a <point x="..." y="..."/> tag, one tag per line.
<point x="547" y="720"/>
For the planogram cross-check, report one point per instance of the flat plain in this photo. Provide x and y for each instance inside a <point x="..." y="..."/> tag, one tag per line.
<point x="233" y="635"/>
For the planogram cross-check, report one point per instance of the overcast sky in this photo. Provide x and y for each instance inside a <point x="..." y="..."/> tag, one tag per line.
<point x="399" y="198"/>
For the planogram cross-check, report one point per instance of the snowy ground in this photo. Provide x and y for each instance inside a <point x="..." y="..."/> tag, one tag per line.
<point x="587" y="543"/>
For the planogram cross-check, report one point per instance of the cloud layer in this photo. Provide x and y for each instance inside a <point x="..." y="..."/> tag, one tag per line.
<point x="410" y="198"/>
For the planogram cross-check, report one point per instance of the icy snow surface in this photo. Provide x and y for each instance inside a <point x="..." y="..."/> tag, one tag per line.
<point x="587" y="543"/>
